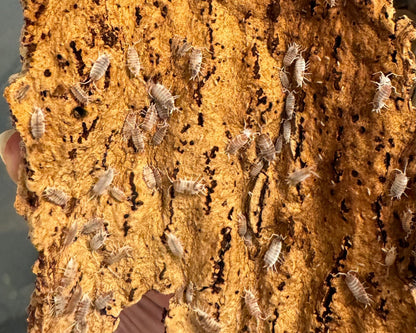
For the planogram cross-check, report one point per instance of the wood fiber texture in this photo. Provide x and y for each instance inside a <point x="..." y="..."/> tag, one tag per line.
<point x="335" y="223"/>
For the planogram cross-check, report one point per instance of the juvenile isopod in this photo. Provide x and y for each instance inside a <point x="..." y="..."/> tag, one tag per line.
<point x="279" y="144"/>
<point x="93" y="226"/>
<point x="98" y="240"/>
<point x="174" y="244"/>
<point x="81" y="314"/>
<point x="300" y="71"/>
<point x="399" y="184"/>
<point x="253" y="305"/>
<point x="195" y="62"/>
<point x="189" y="294"/>
<point x="133" y="61"/>
<point x="291" y="54"/>
<point x="70" y="272"/>
<point x="390" y="258"/>
<point x="56" y="196"/>
<point x="80" y="95"/>
<point x="59" y="304"/>
<point x="284" y="79"/>
<point x="207" y="322"/>
<point x="103" y="300"/>
<point x="266" y="147"/>
<point x="186" y="186"/>
<point x="99" y="68"/>
<point x="356" y="288"/>
<point x="287" y="130"/>
<point x="70" y="234"/>
<point x="406" y="219"/>
<point x="37" y="123"/>
<point x="256" y="168"/>
<point x="272" y="255"/>
<point x="117" y="194"/>
<point x="239" y="141"/>
<point x="383" y="92"/>
<point x="290" y="104"/>
<point x="300" y="175"/>
<point x="165" y="102"/>
<point x="150" y="119"/>
<point x="160" y="134"/>
<point x="73" y="300"/>
<point x="241" y="224"/>
<point x="152" y="177"/>
<point x="103" y="182"/>
<point x="129" y="125"/>
<point x="119" y="254"/>
<point x="138" y="140"/>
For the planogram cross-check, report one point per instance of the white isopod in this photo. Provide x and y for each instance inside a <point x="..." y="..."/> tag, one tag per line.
<point x="287" y="130"/>
<point x="56" y="196"/>
<point x="189" y="294"/>
<point x="175" y="245"/>
<point x="138" y="140"/>
<point x="103" y="182"/>
<point x="103" y="300"/>
<point x="119" y="254"/>
<point x="300" y="71"/>
<point x="284" y="79"/>
<point x="117" y="194"/>
<point x="253" y="305"/>
<point x="80" y="95"/>
<point x="98" y="240"/>
<point x="186" y="186"/>
<point x="356" y="288"/>
<point x="291" y="54"/>
<point x="93" y="226"/>
<point x="70" y="271"/>
<point x="129" y="125"/>
<point x="241" y="224"/>
<point x="256" y="168"/>
<point x="290" y="104"/>
<point x="207" y="322"/>
<point x="383" y="92"/>
<point x="266" y="147"/>
<point x="239" y="141"/>
<point x="81" y="314"/>
<point x="300" y="175"/>
<point x="399" y="184"/>
<point x="152" y="177"/>
<point x="74" y="300"/>
<point x="160" y="133"/>
<point x="195" y="62"/>
<point x="407" y="222"/>
<point x="37" y="123"/>
<point x="279" y="144"/>
<point x="272" y="255"/>
<point x="99" y="68"/>
<point x="165" y="102"/>
<point x="70" y="234"/>
<point x="59" y="304"/>
<point x="390" y="258"/>
<point x="133" y="61"/>
<point x="150" y="119"/>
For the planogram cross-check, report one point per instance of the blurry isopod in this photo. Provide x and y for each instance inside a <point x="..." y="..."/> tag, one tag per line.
<point x="195" y="62"/>
<point x="80" y="95"/>
<point x="186" y="186"/>
<point x="56" y="196"/>
<point x="129" y="125"/>
<point x="241" y="224"/>
<point x="279" y="144"/>
<point x="253" y="305"/>
<point x="287" y="130"/>
<point x="266" y="147"/>
<point x="150" y="119"/>
<point x="103" y="300"/>
<point x="103" y="182"/>
<point x="93" y="226"/>
<point x="272" y="255"/>
<point x="160" y="134"/>
<point x="174" y="244"/>
<point x="138" y="140"/>
<point x="207" y="322"/>
<point x="390" y="258"/>
<point x="98" y="240"/>
<point x="81" y="314"/>
<point x="21" y="93"/>
<point x="117" y="194"/>
<point x="290" y="104"/>
<point x="300" y="175"/>
<point x="99" y="68"/>
<point x="119" y="254"/>
<point x="284" y="79"/>
<point x="256" y="168"/>
<point x="399" y="184"/>
<point x="152" y="177"/>
<point x="189" y="294"/>
<point x="239" y="141"/>
<point x="37" y="123"/>
<point x="71" y="234"/>
<point x="406" y="219"/>
<point x="70" y="272"/>
<point x="291" y="54"/>
<point x="133" y="61"/>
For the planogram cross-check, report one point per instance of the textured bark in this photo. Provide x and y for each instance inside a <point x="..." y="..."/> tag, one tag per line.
<point x="335" y="223"/>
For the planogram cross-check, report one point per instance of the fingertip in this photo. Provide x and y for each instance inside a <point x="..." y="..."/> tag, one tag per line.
<point x="10" y="152"/>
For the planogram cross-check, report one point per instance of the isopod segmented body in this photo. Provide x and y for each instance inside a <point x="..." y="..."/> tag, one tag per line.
<point x="207" y="322"/>
<point x="117" y="194"/>
<point x="189" y="294"/>
<point x="56" y="196"/>
<point x="21" y="93"/>
<point x="272" y="255"/>
<point x="81" y="314"/>
<point x="99" y="68"/>
<point x="356" y="288"/>
<point x="252" y="305"/>
<point x="300" y="175"/>
<point x="239" y="141"/>
<point x="74" y="300"/>
<point x="59" y="304"/>
<point x="383" y="92"/>
<point x="152" y="177"/>
<point x="103" y="182"/>
<point x="98" y="240"/>
<point x="129" y="125"/>
<point x="160" y="134"/>
<point x="290" y="104"/>
<point x="137" y="139"/>
<point x="279" y="144"/>
<point x="301" y="66"/>
<point x="165" y="102"/>
<point x="287" y="130"/>
<point x="399" y="184"/>
<point x="185" y="186"/>
<point x="150" y="119"/>
<point x="406" y="219"/>
<point x="80" y="95"/>
<point x="116" y="256"/>
<point x="195" y="62"/>
<point x="93" y="226"/>
<point x="69" y="273"/>
<point x="133" y="61"/>
<point x="241" y="224"/>
<point x="103" y="300"/>
<point x="284" y="79"/>
<point x="256" y="168"/>
<point x="266" y="147"/>
<point x="291" y="54"/>
<point x="37" y="123"/>
<point x="390" y="258"/>
<point x="175" y="245"/>
<point x="177" y="49"/>
<point x="70" y="234"/>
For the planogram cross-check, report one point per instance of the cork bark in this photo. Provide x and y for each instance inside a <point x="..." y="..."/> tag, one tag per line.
<point x="335" y="223"/>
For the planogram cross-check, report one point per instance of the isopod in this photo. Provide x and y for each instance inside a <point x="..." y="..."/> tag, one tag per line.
<point x="189" y="294"/>
<point x="399" y="184"/>
<point x="37" y="123"/>
<point x="56" y="196"/>
<point x="160" y="134"/>
<point x="80" y="95"/>
<point x="98" y="240"/>
<point x="81" y="314"/>
<point x="287" y="130"/>
<point x="239" y="141"/>
<point x="266" y="147"/>
<point x="74" y="300"/>
<point x="174" y="244"/>
<point x="284" y="79"/>
<point x="129" y="125"/>
<point x="71" y="234"/>
<point x="103" y="182"/>
<point x="177" y="49"/>
<point x="279" y="144"/>
<point x="69" y="273"/>
<point x="99" y="68"/>
<point x="300" y="175"/>
<point x="185" y="186"/>
<point x="152" y="177"/>
<point x="165" y="102"/>
<point x="272" y="255"/>
<point x="290" y="104"/>
<point x="138" y="140"/>
<point x="103" y="300"/>
<point x="300" y="70"/>
<point x="252" y="305"/>
<point x="291" y="54"/>
<point x="406" y="219"/>
<point x="256" y="168"/>
<point x="241" y="224"/>
<point x="59" y="304"/>
<point x="207" y="322"/>
<point x="331" y="3"/>
<point x="195" y="62"/>
<point x="383" y="92"/>
<point x="21" y="93"/>
<point x="119" y="254"/>
<point x="391" y="255"/>
<point x="150" y="119"/>
<point x="133" y="61"/>
<point x="117" y="194"/>
<point x="93" y="226"/>
<point x="356" y="288"/>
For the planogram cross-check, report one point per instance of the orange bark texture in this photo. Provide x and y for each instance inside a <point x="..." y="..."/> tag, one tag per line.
<point x="333" y="222"/>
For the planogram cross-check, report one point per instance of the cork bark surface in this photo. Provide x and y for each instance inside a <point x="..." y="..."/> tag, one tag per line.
<point x="335" y="223"/>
